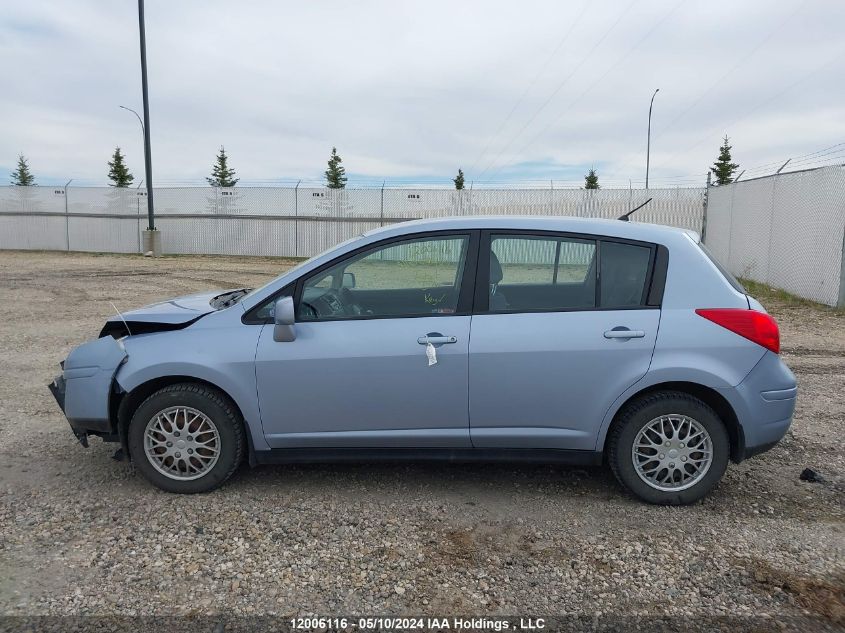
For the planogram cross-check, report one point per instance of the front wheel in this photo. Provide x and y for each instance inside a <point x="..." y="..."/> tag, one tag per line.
<point x="669" y="448"/>
<point x="186" y="438"/>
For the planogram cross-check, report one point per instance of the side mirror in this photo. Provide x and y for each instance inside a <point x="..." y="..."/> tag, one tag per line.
<point x="284" y="319"/>
<point x="348" y="280"/>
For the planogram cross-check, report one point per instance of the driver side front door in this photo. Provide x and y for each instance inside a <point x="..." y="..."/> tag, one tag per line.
<point x="357" y="374"/>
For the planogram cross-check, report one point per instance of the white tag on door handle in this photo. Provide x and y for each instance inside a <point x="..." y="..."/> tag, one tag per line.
<point x="431" y="354"/>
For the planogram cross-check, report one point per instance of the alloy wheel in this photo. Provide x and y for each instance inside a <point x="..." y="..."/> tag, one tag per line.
<point x="182" y="443"/>
<point x="672" y="452"/>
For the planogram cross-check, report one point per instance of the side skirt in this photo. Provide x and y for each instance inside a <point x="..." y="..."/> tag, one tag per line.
<point x="329" y="455"/>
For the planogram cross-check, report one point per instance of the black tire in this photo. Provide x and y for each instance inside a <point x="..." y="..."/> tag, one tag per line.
<point x="220" y="411"/>
<point x="640" y="412"/>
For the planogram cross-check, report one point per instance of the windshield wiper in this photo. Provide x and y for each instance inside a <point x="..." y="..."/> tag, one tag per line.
<point x="229" y="298"/>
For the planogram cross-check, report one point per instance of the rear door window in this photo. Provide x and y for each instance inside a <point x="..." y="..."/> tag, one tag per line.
<point x="529" y="273"/>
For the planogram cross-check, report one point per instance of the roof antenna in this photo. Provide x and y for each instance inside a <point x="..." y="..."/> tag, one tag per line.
<point x="624" y="217"/>
<point x="128" y="331"/>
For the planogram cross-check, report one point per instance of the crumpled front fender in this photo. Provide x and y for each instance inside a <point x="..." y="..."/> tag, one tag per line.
<point x="88" y="373"/>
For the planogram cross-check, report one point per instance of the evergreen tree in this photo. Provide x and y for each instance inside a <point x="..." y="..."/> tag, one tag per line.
<point x="459" y="180"/>
<point x="591" y="180"/>
<point x="336" y="173"/>
<point x="22" y="177"/>
<point x="221" y="174"/>
<point x="723" y="169"/>
<point x="118" y="172"/>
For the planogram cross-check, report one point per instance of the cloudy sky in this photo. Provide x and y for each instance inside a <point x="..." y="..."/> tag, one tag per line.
<point x="508" y="91"/>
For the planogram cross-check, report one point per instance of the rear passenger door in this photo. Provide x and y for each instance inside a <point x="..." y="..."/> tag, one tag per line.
<point x="562" y="325"/>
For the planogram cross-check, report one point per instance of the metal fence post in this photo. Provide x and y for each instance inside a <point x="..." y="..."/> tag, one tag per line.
<point x="296" y="219"/>
<point x="729" y="263"/>
<point x="381" y="213"/>
<point x="138" y="213"/>
<point x="67" y="218"/>
<point x="704" y="212"/>
<point x="772" y="207"/>
<point x="840" y="302"/>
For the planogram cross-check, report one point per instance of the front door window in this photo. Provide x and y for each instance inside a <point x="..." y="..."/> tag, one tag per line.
<point x="411" y="278"/>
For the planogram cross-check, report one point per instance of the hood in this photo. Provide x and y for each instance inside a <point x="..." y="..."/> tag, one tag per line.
<point x="172" y="314"/>
<point x="172" y="311"/>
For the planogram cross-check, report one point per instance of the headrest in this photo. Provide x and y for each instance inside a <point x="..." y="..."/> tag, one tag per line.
<point x="496" y="273"/>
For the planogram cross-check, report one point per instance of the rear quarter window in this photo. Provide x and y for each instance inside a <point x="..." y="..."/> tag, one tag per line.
<point x="624" y="274"/>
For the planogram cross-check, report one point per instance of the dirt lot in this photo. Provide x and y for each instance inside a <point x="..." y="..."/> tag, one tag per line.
<point x="83" y="534"/>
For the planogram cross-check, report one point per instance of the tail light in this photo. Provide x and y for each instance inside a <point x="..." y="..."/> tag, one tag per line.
<point x="755" y="326"/>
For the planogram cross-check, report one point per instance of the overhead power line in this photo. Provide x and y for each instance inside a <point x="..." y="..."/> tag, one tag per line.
<point x="624" y="57"/>
<point x="731" y="70"/>
<point x="530" y="85"/>
<point x="559" y="88"/>
<point x="756" y="107"/>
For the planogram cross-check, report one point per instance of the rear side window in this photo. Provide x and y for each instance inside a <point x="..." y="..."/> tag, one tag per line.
<point x="624" y="274"/>
<point x="725" y="273"/>
<point x="541" y="273"/>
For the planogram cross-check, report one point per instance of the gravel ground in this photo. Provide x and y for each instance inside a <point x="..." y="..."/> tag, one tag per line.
<point x="82" y="534"/>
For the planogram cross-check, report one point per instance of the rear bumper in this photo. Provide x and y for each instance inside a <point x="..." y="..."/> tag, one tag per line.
<point x="764" y="403"/>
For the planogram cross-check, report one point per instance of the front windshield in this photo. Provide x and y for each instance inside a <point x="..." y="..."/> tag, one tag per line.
<point x="300" y="265"/>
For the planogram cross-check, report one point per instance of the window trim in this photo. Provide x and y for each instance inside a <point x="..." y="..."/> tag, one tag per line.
<point x="658" y="279"/>
<point x="465" y="295"/>
<point x="648" y="301"/>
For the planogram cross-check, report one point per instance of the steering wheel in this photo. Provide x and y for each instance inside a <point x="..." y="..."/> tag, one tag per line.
<point x="309" y="312"/>
<point x="332" y="303"/>
<point x="349" y="306"/>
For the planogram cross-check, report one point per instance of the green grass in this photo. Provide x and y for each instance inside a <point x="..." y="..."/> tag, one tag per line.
<point x="766" y="294"/>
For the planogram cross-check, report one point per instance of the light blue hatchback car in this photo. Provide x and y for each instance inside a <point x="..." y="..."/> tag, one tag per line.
<point x="479" y="338"/>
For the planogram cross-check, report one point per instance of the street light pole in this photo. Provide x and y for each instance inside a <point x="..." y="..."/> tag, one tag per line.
<point x="143" y="134"/>
<point x="648" y="142"/>
<point x="154" y="239"/>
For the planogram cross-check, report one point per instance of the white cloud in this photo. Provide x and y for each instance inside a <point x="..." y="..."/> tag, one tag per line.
<point x="414" y="90"/>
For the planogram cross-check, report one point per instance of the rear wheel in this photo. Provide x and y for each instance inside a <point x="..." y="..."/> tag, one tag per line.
<point x="186" y="438"/>
<point x="669" y="448"/>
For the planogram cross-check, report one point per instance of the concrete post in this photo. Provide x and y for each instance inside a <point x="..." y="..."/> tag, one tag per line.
<point x="152" y="242"/>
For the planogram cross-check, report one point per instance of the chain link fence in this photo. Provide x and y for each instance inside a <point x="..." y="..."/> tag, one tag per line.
<point x="292" y="222"/>
<point x="787" y="231"/>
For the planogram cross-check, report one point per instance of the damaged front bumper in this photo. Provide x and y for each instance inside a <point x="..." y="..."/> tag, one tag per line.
<point x="84" y="389"/>
<point x="57" y="388"/>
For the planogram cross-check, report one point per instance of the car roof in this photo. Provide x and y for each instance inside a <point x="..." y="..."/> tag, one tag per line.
<point x="567" y="224"/>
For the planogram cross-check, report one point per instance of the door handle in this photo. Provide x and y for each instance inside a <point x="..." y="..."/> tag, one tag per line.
<point x="624" y="333"/>
<point x="436" y="340"/>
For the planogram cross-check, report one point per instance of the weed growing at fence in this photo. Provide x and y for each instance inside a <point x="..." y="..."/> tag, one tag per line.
<point x="765" y="294"/>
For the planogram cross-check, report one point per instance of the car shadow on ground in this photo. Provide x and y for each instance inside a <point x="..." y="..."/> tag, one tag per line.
<point x="471" y="482"/>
